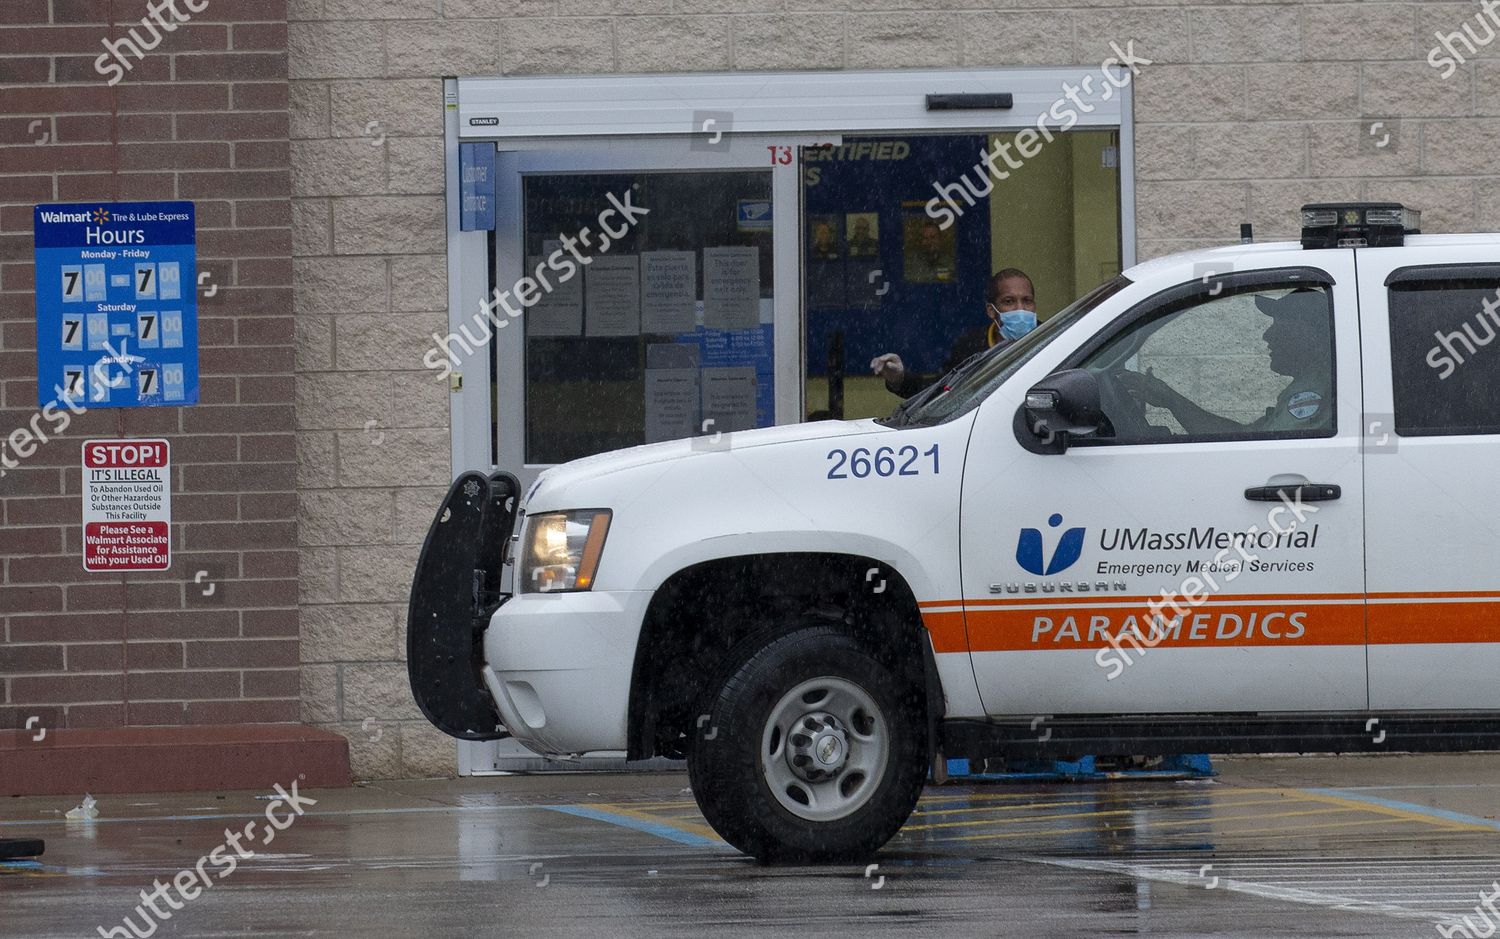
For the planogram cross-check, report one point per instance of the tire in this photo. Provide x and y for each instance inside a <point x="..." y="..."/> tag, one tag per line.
<point x="812" y="751"/>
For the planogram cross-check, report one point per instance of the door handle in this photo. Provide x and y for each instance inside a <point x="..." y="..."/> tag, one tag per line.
<point x="1297" y="492"/>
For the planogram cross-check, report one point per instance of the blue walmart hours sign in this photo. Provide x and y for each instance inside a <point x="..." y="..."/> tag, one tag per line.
<point x="116" y="304"/>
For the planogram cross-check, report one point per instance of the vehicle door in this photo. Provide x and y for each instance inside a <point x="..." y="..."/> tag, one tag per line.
<point x="1204" y="551"/>
<point x="1432" y="368"/>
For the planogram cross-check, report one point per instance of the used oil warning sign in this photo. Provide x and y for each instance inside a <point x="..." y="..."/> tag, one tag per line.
<point x="127" y="505"/>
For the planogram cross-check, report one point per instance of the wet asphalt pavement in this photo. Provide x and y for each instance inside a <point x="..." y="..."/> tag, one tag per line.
<point x="1353" y="846"/>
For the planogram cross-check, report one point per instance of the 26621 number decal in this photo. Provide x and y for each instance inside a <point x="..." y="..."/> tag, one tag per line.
<point x="884" y="461"/>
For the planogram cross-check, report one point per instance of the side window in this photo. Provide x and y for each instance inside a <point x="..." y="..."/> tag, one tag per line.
<point x="1443" y="375"/>
<point x="1252" y="363"/>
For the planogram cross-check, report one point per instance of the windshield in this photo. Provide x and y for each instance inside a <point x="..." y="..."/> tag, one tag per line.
<point x="973" y="380"/>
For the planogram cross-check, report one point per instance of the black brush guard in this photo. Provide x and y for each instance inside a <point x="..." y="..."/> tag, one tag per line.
<point x="457" y="587"/>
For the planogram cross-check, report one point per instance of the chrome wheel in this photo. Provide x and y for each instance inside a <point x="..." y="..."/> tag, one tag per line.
<point x="824" y="749"/>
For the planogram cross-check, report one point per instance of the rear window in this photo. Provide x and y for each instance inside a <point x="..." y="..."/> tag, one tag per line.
<point x="1445" y="362"/>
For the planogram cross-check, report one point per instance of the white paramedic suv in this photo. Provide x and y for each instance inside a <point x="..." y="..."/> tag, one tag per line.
<point x="1233" y="500"/>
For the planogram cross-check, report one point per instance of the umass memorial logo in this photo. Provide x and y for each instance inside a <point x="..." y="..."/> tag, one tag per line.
<point x="1031" y="554"/>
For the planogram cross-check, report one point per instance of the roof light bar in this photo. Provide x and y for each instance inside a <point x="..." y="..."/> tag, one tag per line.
<point x="1358" y="224"/>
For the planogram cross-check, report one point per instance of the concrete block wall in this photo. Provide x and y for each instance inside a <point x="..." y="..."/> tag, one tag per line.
<point x="370" y="288"/>
<point x="202" y="117"/>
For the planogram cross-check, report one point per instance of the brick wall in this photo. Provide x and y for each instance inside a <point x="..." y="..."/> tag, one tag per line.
<point x="203" y="117"/>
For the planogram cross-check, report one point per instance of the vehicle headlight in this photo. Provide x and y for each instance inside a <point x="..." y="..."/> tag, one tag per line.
<point x="562" y="550"/>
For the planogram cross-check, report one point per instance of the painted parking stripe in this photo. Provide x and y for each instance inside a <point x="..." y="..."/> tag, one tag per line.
<point x="1207" y="810"/>
<point x="1155" y="802"/>
<point x="1094" y="830"/>
<point x="1192" y="878"/>
<point x="1214" y="823"/>
<point x="1021" y="815"/>
<point x="1442" y="890"/>
<point x="614" y="815"/>
<point x="1469" y="822"/>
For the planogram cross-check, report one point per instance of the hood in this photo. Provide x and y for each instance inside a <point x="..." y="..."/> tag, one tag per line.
<point x="604" y="463"/>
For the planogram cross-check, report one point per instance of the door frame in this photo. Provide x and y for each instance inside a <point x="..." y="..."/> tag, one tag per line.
<point x="548" y="113"/>
<point x="605" y="111"/>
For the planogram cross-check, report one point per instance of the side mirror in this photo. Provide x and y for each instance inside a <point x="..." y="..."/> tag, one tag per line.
<point x="1064" y="404"/>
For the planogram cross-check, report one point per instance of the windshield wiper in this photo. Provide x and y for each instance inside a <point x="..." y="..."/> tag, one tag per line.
<point x="902" y="416"/>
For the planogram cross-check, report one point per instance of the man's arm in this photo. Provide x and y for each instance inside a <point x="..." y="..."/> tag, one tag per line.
<point x="898" y="381"/>
<point x="909" y="384"/>
<point x="1148" y="389"/>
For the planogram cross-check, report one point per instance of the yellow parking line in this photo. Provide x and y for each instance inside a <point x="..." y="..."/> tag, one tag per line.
<point x="684" y="818"/>
<point x="17" y="868"/>
<point x="1155" y="825"/>
<point x="1302" y="828"/>
<point x="987" y="796"/>
<point x="1033" y="793"/>
<point x="1445" y="824"/>
<point x="692" y="828"/>
<point x="1113" y="791"/>
<point x="1244" y="831"/>
<point x="1164" y="805"/>
<point x="675" y="803"/>
<point x="1052" y="816"/>
<point x="1059" y="789"/>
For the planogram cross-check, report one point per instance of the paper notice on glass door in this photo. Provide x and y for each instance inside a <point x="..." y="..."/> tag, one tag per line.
<point x="612" y="296"/>
<point x="729" y="398"/>
<point x="671" y="403"/>
<point x="731" y="288"/>
<point x="672" y="391"/>
<point x="559" y="311"/>
<point x="669" y="292"/>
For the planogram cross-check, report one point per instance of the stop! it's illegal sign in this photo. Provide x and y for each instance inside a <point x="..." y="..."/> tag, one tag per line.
<point x="127" y="505"/>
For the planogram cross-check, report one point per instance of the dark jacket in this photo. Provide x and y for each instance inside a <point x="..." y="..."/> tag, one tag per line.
<point x="967" y="346"/>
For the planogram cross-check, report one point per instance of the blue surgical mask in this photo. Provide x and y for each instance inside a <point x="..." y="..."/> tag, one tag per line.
<point x="1017" y="323"/>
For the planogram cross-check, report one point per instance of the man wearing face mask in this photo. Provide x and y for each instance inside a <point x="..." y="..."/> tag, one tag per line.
<point x="1010" y="305"/>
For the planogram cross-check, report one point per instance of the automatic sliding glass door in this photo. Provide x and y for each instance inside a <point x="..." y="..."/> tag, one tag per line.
<point x="656" y="292"/>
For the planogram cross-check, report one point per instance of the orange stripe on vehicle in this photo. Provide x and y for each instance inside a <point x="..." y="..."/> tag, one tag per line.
<point x="1438" y="595"/>
<point x="1008" y="625"/>
<point x="947" y="629"/>
<point x="1410" y="623"/>
<point x="1049" y="599"/>
<point x="1142" y="598"/>
<point x="1221" y="626"/>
